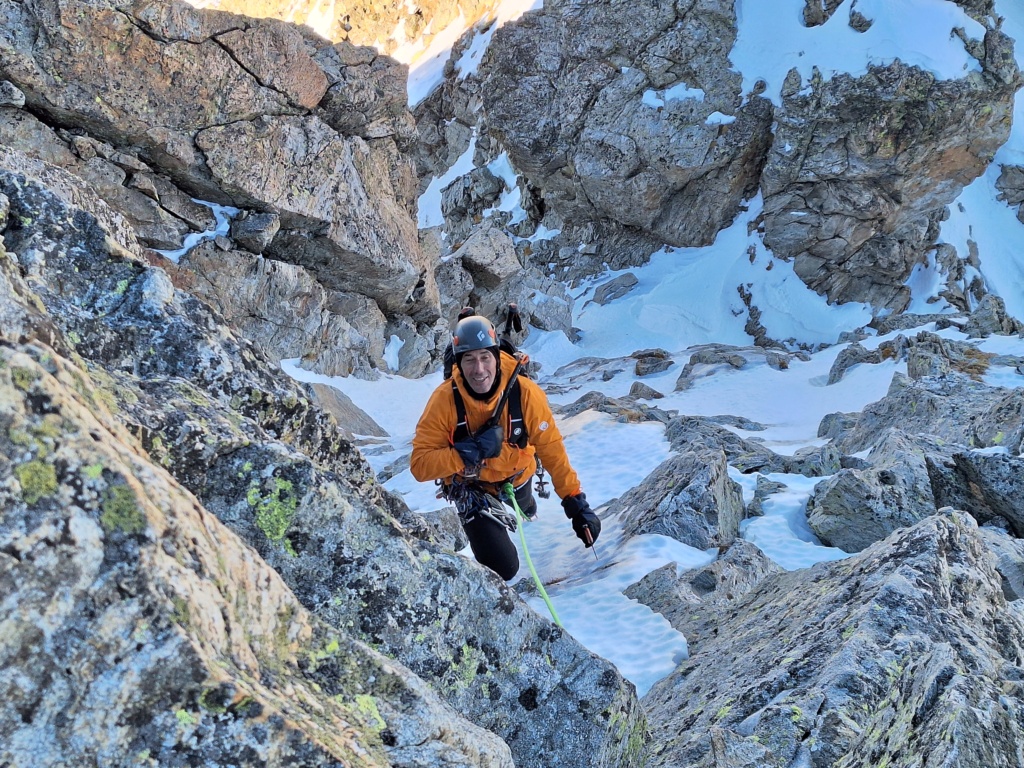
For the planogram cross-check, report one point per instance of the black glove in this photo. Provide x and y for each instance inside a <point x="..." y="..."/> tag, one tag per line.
<point x="486" y="445"/>
<point x="586" y="524"/>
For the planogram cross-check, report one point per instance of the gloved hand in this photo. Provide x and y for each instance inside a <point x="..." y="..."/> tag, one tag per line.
<point x="486" y="445"/>
<point x="584" y="521"/>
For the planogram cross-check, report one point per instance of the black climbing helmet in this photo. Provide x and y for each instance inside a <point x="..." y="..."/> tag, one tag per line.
<point x="474" y="332"/>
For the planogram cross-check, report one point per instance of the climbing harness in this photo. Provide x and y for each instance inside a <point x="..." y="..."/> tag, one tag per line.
<point x="472" y="501"/>
<point x="510" y="493"/>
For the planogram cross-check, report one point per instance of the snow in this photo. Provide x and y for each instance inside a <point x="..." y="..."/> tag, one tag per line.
<point x="426" y="65"/>
<point x="222" y="215"/>
<point x="772" y="40"/>
<point x="678" y="92"/>
<point x="394" y="346"/>
<point x="688" y="297"/>
<point x="430" y="201"/>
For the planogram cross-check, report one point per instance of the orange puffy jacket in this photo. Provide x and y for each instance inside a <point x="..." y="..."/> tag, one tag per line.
<point x="433" y="456"/>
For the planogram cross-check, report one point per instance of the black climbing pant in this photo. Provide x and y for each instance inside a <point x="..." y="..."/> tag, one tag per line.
<point x="490" y="540"/>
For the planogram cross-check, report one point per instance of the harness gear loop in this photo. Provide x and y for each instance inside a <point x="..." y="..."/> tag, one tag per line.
<point x="472" y="501"/>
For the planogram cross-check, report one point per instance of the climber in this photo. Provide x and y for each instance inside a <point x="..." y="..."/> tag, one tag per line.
<point x="486" y="427"/>
<point x="513" y="322"/>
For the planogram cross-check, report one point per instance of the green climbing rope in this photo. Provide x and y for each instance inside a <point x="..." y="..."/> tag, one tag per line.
<point x="510" y="492"/>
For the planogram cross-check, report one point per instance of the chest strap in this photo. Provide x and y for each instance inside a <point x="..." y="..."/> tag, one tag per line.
<point x="515" y="434"/>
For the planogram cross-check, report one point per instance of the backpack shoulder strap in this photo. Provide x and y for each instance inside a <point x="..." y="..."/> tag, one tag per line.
<point x="517" y="434"/>
<point x="461" y="431"/>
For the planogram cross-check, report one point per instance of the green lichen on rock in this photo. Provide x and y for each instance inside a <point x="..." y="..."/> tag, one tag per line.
<point x="275" y="511"/>
<point x="367" y="707"/>
<point x="93" y="471"/>
<point x="23" y="378"/>
<point x="209" y="700"/>
<point x="185" y="718"/>
<point x="38" y="480"/>
<point x="631" y="733"/>
<point x="465" y="670"/>
<point x="181" y="615"/>
<point x="121" y="511"/>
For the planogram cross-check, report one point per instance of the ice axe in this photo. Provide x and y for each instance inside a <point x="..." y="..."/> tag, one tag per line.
<point x="590" y="542"/>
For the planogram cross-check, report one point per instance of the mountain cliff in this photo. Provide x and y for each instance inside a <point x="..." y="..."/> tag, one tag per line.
<point x="199" y="565"/>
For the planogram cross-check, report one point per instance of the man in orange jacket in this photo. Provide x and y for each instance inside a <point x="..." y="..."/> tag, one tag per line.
<point x="474" y="456"/>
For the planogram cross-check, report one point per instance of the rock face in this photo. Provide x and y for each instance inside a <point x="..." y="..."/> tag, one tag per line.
<point x="985" y="484"/>
<point x="272" y="126"/>
<point x="628" y="137"/>
<point x="284" y="309"/>
<point x="855" y="200"/>
<point x="642" y="123"/>
<point x="259" y="456"/>
<point x="901" y="655"/>
<point x="694" y="600"/>
<point x="385" y="26"/>
<point x="165" y="638"/>
<point x="200" y="567"/>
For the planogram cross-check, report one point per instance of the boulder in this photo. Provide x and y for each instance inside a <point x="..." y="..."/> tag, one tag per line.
<point x="990" y="317"/>
<point x="690" y="498"/>
<point x="651" y="361"/>
<point x="900" y="655"/>
<point x="763" y="490"/>
<point x="615" y="288"/>
<point x="854" y="508"/>
<point x="155" y="646"/>
<point x="255" y="231"/>
<point x="366" y="96"/>
<point x="641" y="391"/>
<point x="490" y="258"/>
<point x="851" y="355"/>
<point x="855" y="201"/>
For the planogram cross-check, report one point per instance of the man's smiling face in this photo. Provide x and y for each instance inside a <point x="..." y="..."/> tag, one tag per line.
<point x="479" y="368"/>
